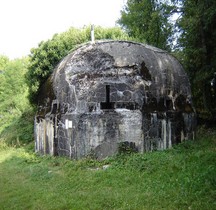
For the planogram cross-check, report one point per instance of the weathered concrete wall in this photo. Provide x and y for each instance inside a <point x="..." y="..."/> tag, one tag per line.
<point x="44" y="136"/>
<point x="112" y="92"/>
<point x="98" y="134"/>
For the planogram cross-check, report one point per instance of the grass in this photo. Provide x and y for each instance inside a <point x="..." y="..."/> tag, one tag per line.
<point x="180" y="178"/>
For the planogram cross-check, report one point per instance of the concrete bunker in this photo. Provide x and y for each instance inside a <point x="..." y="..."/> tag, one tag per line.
<point x="114" y="93"/>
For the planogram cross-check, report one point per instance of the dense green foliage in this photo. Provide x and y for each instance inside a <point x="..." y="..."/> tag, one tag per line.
<point x="180" y="178"/>
<point x="197" y="27"/>
<point x="49" y="53"/>
<point x="14" y="104"/>
<point x="148" y="21"/>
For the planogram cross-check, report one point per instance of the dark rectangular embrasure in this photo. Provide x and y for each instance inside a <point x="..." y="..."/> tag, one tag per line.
<point x="107" y="104"/>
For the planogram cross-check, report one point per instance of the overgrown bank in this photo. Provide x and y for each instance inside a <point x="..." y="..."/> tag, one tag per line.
<point x="181" y="178"/>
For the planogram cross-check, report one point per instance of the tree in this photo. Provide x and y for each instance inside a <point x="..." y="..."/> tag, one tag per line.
<point x="44" y="58"/>
<point x="148" y="20"/>
<point x="13" y="89"/>
<point x="198" y="43"/>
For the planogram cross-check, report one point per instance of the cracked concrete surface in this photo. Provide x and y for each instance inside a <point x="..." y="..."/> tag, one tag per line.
<point x="112" y="92"/>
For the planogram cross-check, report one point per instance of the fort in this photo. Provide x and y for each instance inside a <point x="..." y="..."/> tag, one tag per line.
<point x="109" y="95"/>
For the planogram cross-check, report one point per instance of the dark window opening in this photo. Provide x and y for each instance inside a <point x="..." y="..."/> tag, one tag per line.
<point x="107" y="93"/>
<point x="107" y="104"/>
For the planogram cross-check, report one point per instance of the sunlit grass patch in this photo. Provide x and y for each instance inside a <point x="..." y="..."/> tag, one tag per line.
<point x="180" y="178"/>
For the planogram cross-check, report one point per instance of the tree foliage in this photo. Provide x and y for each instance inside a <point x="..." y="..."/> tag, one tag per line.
<point x="198" y="43"/>
<point x="44" y="58"/>
<point x="13" y="89"/>
<point x="148" y="20"/>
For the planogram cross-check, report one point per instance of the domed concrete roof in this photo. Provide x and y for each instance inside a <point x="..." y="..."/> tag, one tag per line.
<point x="136" y="72"/>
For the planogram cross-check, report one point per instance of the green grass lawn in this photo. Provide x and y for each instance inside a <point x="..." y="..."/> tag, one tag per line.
<point x="180" y="178"/>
